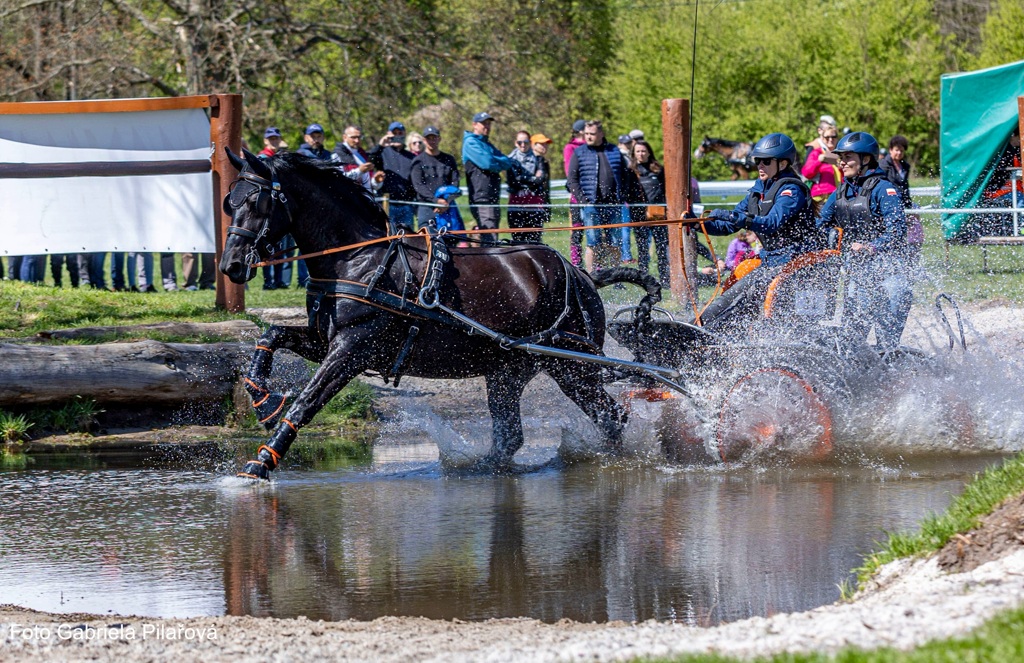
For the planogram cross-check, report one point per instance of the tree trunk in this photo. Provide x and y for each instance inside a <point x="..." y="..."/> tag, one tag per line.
<point x="243" y="330"/>
<point x="144" y="373"/>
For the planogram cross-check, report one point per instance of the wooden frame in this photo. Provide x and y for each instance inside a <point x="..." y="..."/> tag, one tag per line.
<point x="225" y="131"/>
<point x="682" y="250"/>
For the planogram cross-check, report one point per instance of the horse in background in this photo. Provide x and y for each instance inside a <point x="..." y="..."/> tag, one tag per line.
<point x="736" y="155"/>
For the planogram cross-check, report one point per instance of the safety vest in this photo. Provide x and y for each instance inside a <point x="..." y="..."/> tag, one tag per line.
<point x="798" y="228"/>
<point x="854" y="215"/>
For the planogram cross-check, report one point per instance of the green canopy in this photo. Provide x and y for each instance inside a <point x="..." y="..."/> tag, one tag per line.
<point x="979" y="109"/>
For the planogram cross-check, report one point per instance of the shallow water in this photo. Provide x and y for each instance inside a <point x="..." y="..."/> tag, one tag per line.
<point x="594" y="541"/>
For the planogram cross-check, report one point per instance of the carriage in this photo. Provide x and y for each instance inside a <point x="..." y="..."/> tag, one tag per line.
<point x="390" y="302"/>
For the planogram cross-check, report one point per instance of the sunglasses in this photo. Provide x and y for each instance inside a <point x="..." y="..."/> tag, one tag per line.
<point x="830" y="137"/>
<point x="763" y="161"/>
<point x="522" y="142"/>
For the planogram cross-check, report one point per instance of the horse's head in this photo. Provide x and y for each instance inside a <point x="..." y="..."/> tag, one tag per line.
<point x="259" y="217"/>
<point x="702" y="148"/>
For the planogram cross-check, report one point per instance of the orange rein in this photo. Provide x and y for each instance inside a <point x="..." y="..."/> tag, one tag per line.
<point x="482" y="231"/>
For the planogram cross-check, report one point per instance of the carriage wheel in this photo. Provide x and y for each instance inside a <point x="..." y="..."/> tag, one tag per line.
<point x="773" y="410"/>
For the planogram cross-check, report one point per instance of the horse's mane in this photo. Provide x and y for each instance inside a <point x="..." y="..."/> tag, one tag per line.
<point x="327" y="177"/>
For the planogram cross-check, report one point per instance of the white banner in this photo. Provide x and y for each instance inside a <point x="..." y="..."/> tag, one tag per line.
<point x="172" y="213"/>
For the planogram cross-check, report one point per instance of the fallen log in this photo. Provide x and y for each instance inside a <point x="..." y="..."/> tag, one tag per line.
<point x="145" y="372"/>
<point x="234" y="329"/>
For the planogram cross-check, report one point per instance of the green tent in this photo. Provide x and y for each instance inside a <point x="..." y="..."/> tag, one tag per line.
<point x="979" y="109"/>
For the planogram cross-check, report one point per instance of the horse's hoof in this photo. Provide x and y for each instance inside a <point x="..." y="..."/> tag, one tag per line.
<point x="269" y="410"/>
<point x="255" y="469"/>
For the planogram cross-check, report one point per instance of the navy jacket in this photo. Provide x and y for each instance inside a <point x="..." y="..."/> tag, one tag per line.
<point x="785" y="231"/>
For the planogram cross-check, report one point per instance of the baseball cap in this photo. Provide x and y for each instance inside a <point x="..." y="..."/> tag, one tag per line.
<point x="396" y="125"/>
<point x="482" y="117"/>
<point x="636" y="134"/>
<point x="540" y="138"/>
<point x="271" y="132"/>
<point x="431" y="131"/>
<point x="578" y="126"/>
<point x="625" y="138"/>
<point x="314" y="128"/>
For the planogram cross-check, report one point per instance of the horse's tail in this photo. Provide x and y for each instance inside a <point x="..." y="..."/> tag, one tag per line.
<point x="613" y="275"/>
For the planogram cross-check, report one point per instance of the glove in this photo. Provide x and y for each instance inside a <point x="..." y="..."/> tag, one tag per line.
<point x="720" y="214"/>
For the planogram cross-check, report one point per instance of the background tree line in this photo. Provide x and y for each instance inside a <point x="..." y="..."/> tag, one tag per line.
<point x="760" y="66"/>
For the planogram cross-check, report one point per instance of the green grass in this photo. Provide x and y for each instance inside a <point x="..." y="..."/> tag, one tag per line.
<point x="13" y="428"/>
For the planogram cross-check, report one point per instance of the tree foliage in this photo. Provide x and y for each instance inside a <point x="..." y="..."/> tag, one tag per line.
<point x="761" y="65"/>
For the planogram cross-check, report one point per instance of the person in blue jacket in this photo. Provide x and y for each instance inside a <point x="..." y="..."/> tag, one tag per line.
<point x="778" y="209"/>
<point x="483" y="164"/>
<point x="870" y="211"/>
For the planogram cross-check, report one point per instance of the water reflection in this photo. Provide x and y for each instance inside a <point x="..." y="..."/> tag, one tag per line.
<point x="589" y="542"/>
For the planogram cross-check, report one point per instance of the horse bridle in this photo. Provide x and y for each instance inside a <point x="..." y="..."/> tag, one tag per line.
<point x="262" y="248"/>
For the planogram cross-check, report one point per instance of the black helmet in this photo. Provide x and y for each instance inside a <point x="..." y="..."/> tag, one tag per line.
<point x="859" y="142"/>
<point x="775" y="146"/>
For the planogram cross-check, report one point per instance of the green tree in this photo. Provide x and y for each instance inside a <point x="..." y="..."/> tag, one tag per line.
<point x="1002" y="35"/>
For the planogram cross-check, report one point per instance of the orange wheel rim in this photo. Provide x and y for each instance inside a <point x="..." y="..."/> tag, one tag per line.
<point x="764" y="432"/>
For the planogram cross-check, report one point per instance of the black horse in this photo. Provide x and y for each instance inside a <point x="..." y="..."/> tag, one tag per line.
<point x="409" y="305"/>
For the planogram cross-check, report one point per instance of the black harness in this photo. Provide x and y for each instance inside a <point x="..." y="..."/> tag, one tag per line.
<point x="268" y="194"/>
<point x="423" y="303"/>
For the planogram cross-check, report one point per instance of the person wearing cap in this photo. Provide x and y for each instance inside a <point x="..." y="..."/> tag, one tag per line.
<point x="483" y="163"/>
<point x="313" y="145"/>
<point x="870" y="211"/>
<point x="272" y="143"/>
<point x="431" y="170"/>
<point x="273" y="275"/>
<point x="576" y="236"/>
<point x="392" y="158"/>
<point x="355" y="162"/>
<point x="636" y="135"/>
<point x="597" y="179"/>
<point x="541" y="143"/>
<point x="525" y="187"/>
<point x="778" y="209"/>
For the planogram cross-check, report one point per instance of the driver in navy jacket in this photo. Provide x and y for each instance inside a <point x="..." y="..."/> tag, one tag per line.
<point x="870" y="211"/>
<point x="778" y="209"/>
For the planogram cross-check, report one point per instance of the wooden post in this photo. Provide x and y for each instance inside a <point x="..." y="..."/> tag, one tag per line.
<point x="225" y="131"/>
<point x="675" y="130"/>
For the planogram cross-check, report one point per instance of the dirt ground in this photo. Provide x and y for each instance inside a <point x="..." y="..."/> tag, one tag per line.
<point x="1000" y="533"/>
<point x="909" y="602"/>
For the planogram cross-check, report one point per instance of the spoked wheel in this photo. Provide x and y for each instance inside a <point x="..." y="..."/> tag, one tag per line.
<point x="773" y="411"/>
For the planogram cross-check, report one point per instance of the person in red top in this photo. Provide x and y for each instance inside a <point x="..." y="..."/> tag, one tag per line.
<point x="822" y="166"/>
<point x="272" y="143"/>
<point x="576" y="236"/>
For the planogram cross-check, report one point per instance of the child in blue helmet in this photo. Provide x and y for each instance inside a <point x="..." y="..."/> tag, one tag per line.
<point x="870" y="211"/>
<point x="449" y="218"/>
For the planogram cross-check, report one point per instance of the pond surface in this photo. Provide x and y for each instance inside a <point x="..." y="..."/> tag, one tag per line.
<point x="394" y="535"/>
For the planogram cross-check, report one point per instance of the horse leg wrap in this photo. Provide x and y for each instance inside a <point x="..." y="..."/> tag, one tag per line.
<point x="268" y="404"/>
<point x="270" y="454"/>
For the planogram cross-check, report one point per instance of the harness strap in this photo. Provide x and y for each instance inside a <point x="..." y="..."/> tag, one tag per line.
<point x="388" y="301"/>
